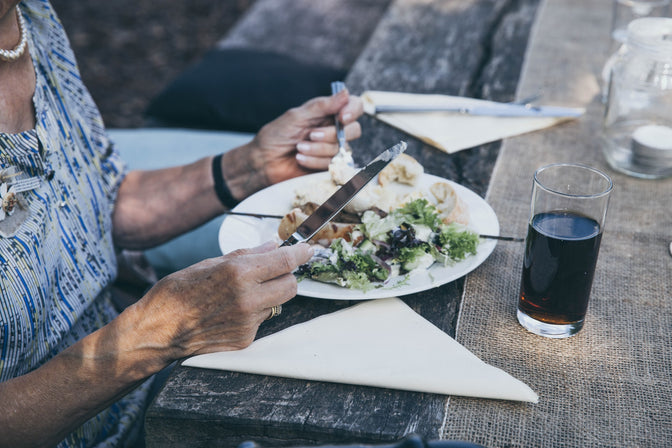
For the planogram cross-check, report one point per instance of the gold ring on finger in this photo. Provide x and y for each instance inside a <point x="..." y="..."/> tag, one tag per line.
<point x="275" y="311"/>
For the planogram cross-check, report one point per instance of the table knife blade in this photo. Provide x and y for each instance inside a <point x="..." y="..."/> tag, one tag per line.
<point x="494" y="110"/>
<point x="329" y="209"/>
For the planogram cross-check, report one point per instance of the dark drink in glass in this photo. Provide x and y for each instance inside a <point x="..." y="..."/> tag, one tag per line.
<point x="560" y="258"/>
<point x="568" y="210"/>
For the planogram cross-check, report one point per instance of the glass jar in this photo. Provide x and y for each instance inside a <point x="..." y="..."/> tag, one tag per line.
<point x="637" y="129"/>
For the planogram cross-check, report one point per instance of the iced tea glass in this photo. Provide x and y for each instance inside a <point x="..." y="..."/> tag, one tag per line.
<point x="568" y="209"/>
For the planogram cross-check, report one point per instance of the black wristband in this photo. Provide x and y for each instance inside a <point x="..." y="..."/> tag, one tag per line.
<point x="221" y="189"/>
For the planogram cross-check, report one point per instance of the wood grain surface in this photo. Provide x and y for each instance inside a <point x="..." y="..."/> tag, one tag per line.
<point x="458" y="47"/>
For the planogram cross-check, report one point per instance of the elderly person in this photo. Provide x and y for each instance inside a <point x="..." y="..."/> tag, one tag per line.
<point x="73" y="370"/>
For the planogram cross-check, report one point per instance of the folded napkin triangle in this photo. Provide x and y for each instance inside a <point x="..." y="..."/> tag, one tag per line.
<point x="450" y="132"/>
<point x="381" y="343"/>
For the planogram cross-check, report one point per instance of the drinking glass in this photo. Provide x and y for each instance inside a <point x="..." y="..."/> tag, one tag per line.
<point x="568" y="209"/>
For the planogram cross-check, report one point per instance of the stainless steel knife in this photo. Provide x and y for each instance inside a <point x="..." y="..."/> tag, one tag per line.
<point x="332" y="207"/>
<point x="494" y="109"/>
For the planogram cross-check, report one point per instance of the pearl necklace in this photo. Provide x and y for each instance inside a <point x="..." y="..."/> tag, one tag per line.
<point x="17" y="52"/>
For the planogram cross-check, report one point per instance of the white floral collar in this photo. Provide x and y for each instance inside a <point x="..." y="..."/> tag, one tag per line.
<point x="8" y="200"/>
<point x="13" y="212"/>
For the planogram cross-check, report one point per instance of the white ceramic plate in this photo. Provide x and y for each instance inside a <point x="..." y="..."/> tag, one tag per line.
<point x="239" y="232"/>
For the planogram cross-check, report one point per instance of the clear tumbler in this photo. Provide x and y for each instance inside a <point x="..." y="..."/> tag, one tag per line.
<point x="568" y="209"/>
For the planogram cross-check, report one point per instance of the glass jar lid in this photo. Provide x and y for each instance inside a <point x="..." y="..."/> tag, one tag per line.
<point x="653" y="35"/>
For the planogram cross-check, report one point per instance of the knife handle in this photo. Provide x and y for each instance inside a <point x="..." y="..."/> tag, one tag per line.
<point x="292" y="240"/>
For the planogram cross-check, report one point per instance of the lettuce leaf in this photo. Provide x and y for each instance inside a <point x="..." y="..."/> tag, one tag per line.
<point x="457" y="242"/>
<point x="410" y="237"/>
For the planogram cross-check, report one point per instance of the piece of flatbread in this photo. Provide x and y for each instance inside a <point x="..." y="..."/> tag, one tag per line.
<point x="292" y="220"/>
<point x="451" y="208"/>
<point x="404" y="169"/>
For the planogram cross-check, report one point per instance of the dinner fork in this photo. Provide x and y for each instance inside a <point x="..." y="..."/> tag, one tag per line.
<point x="343" y="153"/>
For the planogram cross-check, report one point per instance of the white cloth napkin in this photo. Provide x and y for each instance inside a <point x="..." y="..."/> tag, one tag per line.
<point x="381" y="343"/>
<point x="448" y="131"/>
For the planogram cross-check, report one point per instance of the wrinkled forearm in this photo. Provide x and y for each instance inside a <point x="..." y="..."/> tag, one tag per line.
<point x="154" y="206"/>
<point x="43" y="406"/>
<point x="243" y="170"/>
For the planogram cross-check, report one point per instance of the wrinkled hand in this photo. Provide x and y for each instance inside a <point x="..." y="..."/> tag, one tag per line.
<point x="303" y="139"/>
<point x="300" y="141"/>
<point x="219" y="303"/>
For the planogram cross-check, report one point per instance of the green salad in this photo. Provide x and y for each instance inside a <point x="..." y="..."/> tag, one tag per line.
<point x="409" y="238"/>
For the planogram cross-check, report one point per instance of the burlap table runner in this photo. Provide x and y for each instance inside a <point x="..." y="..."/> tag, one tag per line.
<point x="610" y="385"/>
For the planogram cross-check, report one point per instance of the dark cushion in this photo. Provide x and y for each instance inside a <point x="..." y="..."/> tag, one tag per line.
<point x="239" y="90"/>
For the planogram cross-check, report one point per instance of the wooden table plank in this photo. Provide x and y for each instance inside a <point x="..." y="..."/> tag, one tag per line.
<point x="442" y="46"/>
<point x="327" y="32"/>
<point x="453" y="47"/>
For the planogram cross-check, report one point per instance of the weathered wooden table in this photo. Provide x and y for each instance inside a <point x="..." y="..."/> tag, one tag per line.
<point x="472" y="48"/>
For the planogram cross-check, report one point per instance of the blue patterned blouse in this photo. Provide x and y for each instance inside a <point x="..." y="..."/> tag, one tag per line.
<point x="57" y="257"/>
